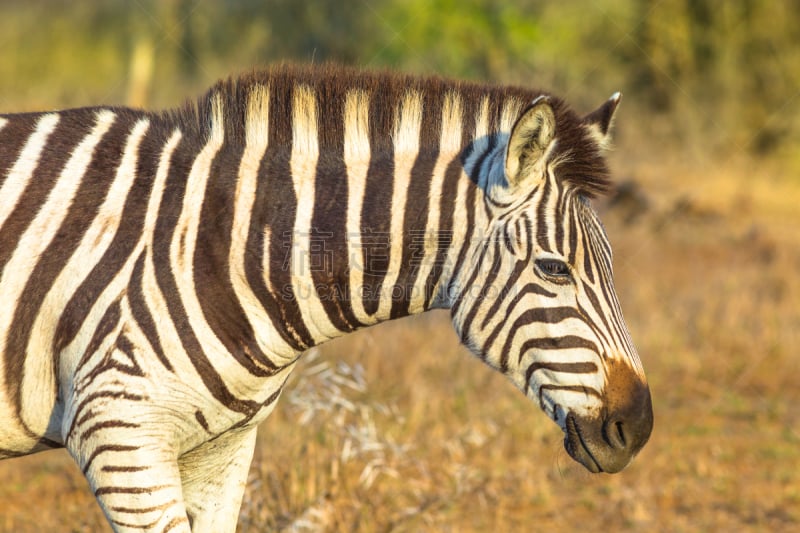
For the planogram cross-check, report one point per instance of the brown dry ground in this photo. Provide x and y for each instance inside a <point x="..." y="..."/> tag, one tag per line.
<point x="404" y="431"/>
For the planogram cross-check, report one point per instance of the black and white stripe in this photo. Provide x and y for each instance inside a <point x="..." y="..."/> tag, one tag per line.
<point x="162" y="272"/>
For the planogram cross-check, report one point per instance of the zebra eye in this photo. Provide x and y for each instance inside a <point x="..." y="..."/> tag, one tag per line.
<point x="554" y="269"/>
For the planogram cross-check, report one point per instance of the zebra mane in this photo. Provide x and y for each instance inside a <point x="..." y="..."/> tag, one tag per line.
<point x="580" y="162"/>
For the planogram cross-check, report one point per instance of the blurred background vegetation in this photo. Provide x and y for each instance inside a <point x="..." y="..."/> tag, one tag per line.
<point x="709" y="75"/>
<point x="704" y="225"/>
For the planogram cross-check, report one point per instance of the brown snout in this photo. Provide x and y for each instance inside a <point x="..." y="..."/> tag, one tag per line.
<point x="608" y="442"/>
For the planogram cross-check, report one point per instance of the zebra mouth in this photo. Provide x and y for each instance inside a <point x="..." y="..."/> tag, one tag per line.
<point x="576" y="446"/>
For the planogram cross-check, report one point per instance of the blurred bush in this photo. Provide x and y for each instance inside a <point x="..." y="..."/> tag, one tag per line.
<point x="710" y="75"/>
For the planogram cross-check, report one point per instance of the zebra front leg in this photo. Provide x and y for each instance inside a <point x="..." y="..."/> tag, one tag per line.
<point x="214" y="480"/>
<point x="135" y="479"/>
<point x="125" y="448"/>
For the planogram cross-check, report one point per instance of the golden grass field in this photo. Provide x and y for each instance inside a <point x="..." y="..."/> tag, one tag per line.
<point x="397" y="428"/>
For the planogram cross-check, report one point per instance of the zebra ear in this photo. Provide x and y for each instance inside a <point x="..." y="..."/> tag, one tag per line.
<point x="530" y="137"/>
<point x="599" y="121"/>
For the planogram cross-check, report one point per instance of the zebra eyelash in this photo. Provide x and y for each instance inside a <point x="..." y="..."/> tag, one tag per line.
<point x="554" y="270"/>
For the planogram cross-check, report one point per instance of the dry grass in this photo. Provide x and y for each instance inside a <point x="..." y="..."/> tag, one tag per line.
<point x="424" y="438"/>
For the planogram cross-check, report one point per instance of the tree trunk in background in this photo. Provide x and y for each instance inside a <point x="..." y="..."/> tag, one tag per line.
<point x="141" y="72"/>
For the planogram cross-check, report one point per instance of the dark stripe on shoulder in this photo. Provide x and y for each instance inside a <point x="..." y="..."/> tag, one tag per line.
<point x="268" y="213"/>
<point x="105" y="326"/>
<point x="141" y="313"/>
<point x="169" y="213"/>
<point x="211" y="269"/>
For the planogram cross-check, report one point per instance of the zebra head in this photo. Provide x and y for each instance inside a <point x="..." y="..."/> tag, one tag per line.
<point x="536" y="299"/>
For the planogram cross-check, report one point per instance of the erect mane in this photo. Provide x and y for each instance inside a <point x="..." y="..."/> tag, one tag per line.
<point x="581" y="164"/>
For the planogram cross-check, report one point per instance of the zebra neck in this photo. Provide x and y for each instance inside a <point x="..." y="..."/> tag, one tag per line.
<point x="338" y="226"/>
<point x="354" y="243"/>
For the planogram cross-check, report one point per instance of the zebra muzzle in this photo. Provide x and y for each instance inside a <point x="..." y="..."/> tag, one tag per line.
<point x="609" y="442"/>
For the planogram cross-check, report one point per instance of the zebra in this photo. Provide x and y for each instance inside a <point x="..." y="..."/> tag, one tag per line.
<point x="161" y="273"/>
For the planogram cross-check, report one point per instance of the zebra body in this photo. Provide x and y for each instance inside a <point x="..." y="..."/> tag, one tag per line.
<point x="162" y="272"/>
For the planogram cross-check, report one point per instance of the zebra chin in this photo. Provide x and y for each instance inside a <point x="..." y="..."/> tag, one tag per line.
<point x="608" y="442"/>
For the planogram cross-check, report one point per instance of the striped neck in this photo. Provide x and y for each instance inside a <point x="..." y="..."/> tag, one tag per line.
<point x="357" y="198"/>
<point x="378" y="228"/>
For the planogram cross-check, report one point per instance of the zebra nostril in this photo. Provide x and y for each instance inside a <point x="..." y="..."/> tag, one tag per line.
<point x="614" y="434"/>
